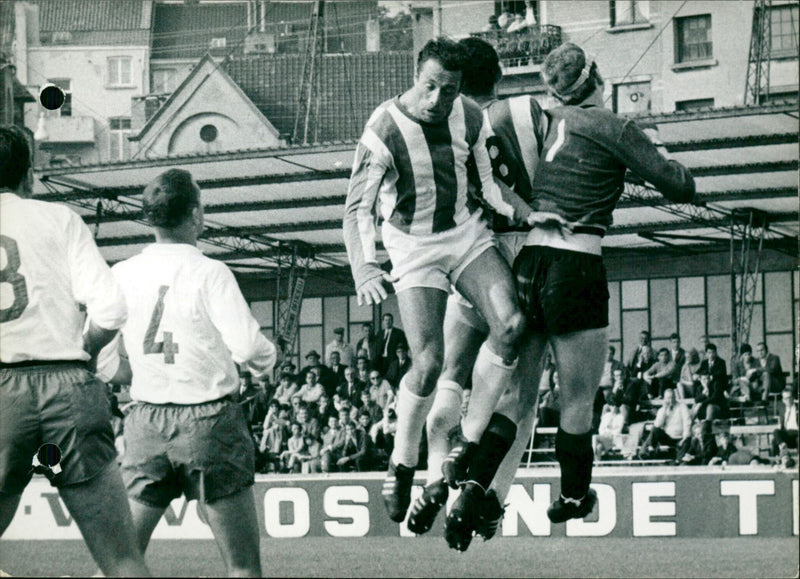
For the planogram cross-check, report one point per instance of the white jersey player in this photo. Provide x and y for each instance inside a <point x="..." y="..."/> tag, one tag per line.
<point x="54" y="416"/>
<point x="188" y="323"/>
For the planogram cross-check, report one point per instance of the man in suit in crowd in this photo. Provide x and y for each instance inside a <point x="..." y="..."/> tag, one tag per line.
<point x="367" y="344"/>
<point x="399" y="366"/>
<point x="678" y="355"/>
<point x="643" y="357"/>
<point x="351" y="389"/>
<point x="337" y="369"/>
<point x="324" y="374"/>
<point x="772" y="378"/>
<point x="388" y="341"/>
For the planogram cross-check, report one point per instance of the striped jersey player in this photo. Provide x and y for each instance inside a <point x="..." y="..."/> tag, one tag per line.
<point x="411" y="170"/>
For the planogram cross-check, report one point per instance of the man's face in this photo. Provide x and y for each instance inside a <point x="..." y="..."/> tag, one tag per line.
<point x="333" y="422"/>
<point x="643" y="339"/>
<point x="302" y="414"/>
<point x="335" y="358"/>
<point x="761" y="351"/>
<point x="401" y="354"/>
<point x="711" y="355"/>
<point x="669" y="397"/>
<point x="374" y="378"/>
<point x="363" y="421"/>
<point x="344" y="415"/>
<point x="663" y="357"/>
<point x="434" y="91"/>
<point x="787" y="398"/>
<point x="365" y="330"/>
<point x="387" y="322"/>
<point x="675" y="343"/>
<point x="348" y="374"/>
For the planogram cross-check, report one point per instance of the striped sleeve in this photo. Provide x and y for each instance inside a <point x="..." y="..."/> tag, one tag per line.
<point x="491" y="191"/>
<point x="360" y="215"/>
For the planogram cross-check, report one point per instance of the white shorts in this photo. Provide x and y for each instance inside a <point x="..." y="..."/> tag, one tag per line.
<point x="435" y="260"/>
<point x="509" y="245"/>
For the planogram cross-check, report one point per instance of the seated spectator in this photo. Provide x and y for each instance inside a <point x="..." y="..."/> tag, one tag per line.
<point x="331" y="437"/>
<point x="351" y="389"/>
<point x="341" y="347"/>
<point x="747" y="375"/>
<point x="382" y="435"/>
<point x="324" y="409"/>
<point x="771" y="373"/>
<point x="308" y="424"/>
<point x="659" y="376"/>
<point x="785" y="437"/>
<point x="295" y="446"/>
<point x="642" y="358"/>
<point x="398" y="366"/>
<point x="310" y="458"/>
<point x="612" y="423"/>
<point x="606" y="383"/>
<point x="689" y="382"/>
<point x="380" y="390"/>
<point x="289" y="368"/>
<point x="370" y="407"/>
<point x="324" y="374"/>
<point x="717" y="391"/>
<point x="311" y="390"/>
<point x="672" y="427"/>
<point x="701" y="447"/>
<point x="678" y="356"/>
<point x="273" y="440"/>
<point x="297" y="402"/>
<point x="286" y="388"/>
<point x="725" y="448"/>
<point x="337" y="370"/>
<point x="351" y="455"/>
<point x="549" y="400"/>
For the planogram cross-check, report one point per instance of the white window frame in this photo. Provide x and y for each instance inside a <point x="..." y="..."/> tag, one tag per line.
<point x="119" y="137"/>
<point x="115" y="71"/>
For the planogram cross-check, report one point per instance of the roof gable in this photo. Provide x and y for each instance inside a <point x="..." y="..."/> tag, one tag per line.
<point x="191" y="120"/>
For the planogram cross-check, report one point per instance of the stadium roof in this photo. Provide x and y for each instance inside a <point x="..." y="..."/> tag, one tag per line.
<point x="259" y="203"/>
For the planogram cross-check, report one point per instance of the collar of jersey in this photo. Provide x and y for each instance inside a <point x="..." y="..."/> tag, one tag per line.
<point x="401" y="107"/>
<point x="171" y="248"/>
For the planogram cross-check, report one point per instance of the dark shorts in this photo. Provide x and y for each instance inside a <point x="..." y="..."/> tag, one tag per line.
<point x="561" y="291"/>
<point x="204" y="451"/>
<point x="60" y="403"/>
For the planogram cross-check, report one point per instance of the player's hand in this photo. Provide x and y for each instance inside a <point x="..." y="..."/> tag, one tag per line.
<point x="548" y="219"/>
<point x="373" y="292"/>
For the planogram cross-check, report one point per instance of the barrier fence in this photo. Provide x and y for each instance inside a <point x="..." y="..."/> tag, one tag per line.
<point x="633" y="502"/>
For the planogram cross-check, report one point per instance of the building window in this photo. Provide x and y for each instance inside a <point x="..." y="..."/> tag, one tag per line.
<point x="694" y="105"/>
<point x="119" y="71"/>
<point x="632" y="97"/>
<point x="783" y="27"/>
<point x="628" y="12"/>
<point x="693" y="38"/>
<point x="119" y="147"/>
<point x="208" y="133"/>
<point x="164" y="80"/>
<point x="65" y="110"/>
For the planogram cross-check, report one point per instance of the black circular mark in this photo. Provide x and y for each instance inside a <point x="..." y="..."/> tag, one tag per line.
<point x="51" y="97"/>
<point x="208" y="133"/>
<point x="49" y="454"/>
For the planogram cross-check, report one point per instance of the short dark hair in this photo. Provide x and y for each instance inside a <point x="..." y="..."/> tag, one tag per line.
<point x="169" y="199"/>
<point x="710" y="346"/>
<point x="451" y="55"/>
<point x="745" y="349"/>
<point x="15" y="156"/>
<point x="674" y="336"/>
<point x="562" y="69"/>
<point x="482" y="69"/>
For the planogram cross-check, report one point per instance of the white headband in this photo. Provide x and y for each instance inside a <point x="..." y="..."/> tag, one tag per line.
<point x="578" y="82"/>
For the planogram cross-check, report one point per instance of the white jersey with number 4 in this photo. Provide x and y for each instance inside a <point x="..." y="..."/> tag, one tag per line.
<point x="187" y="324"/>
<point x="49" y="264"/>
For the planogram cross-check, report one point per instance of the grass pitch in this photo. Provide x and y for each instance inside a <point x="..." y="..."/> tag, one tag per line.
<point x="429" y="557"/>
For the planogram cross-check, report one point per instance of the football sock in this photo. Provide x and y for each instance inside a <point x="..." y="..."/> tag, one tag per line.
<point x="490" y="376"/>
<point x="508" y="468"/>
<point x="412" y="411"/>
<point x="575" y="456"/>
<point x="444" y="415"/>
<point x="492" y="449"/>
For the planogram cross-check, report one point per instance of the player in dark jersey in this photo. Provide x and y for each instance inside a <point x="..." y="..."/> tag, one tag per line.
<point x="561" y="280"/>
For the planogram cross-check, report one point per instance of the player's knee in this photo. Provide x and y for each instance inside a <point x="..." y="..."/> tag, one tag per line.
<point x="512" y="329"/>
<point x="428" y="366"/>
